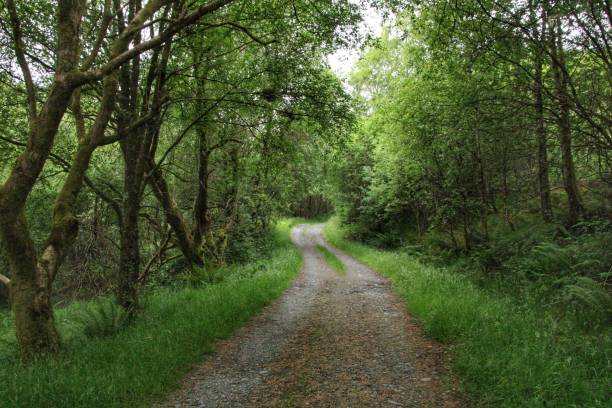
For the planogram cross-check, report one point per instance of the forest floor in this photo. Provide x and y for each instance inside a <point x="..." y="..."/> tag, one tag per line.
<point x="332" y="340"/>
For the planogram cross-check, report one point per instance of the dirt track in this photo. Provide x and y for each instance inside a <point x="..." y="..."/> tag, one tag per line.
<point x="330" y="341"/>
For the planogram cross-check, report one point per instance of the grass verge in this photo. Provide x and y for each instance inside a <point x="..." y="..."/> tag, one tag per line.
<point x="144" y="362"/>
<point x="506" y="355"/>
<point x="332" y="260"/>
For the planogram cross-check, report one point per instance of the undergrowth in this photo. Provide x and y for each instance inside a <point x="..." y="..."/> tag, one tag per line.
<point x="106" y="365"/>
<point x="508" y="351"/>
<point x="102" y="318"/>
<point x="566" y="272"/>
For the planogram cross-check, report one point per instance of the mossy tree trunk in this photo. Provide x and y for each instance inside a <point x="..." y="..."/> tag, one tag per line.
<point x="173" y="216"/>
<point x="32" y="275"/>
<point x="32" y="272"/>
<point x="138" y="147"/>
<point x="30" y="294"/>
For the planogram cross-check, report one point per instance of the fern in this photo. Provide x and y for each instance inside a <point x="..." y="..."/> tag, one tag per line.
<point x="104" y="318"/>
<point x="590" y="293"/>
<point x="553" y="258"/>
<point x="203" y="276"/>
<point x="589" y="298"/>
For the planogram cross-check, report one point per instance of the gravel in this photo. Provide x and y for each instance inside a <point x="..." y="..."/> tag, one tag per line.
<point x="330" y="341"/>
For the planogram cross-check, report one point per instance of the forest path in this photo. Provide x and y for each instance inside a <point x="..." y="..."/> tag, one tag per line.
<point x="330" y="341"/>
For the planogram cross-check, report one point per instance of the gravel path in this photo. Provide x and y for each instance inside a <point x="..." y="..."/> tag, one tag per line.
<point x="330" y="341"/>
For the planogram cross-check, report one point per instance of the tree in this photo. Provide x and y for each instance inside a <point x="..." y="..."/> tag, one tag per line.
<point x="462" y="101"/>
<point x="77" y="64"/>
<point x="119" y="82"/>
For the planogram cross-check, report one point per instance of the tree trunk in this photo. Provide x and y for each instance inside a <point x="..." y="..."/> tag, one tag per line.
<point x="30" y="291"/>
<point x="543" y="179"/>
<point x="201" y="220"/>
<point x="32" y="276"/>
<point x="173" y="215"/>
<point x="565" y="131"/>
<point x="129" y="259"/>
<point x="136" y="148"/>
<point x="155" y="178"/>
<point x="200" y="208"/>
<point x="30" y="286"/>
<point x="133" y="174"/>
<point x="484" y="196"/>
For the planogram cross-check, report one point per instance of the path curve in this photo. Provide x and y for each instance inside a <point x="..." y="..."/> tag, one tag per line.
<point x="330" y="341"/>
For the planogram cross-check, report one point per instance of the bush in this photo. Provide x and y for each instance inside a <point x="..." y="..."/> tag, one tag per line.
<point x="567" y="272"/>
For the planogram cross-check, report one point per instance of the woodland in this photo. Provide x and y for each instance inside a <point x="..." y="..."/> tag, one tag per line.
<point x="154" y="155"/>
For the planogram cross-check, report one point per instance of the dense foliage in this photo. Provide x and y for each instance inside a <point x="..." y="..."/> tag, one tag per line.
<point x="143" y="141"/>
<point x="149" y="145"/>
<point x="485" y="136"/>
<point x="482" y="159"/>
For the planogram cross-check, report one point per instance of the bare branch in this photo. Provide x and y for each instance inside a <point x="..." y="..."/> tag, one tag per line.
<point x="125" y="132"/>
<point x="223" y="143"/>
<point x="157" y="255"/>
<point x="178" y="140"/>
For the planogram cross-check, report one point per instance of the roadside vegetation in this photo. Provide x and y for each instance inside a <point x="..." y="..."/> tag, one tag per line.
<point x="147" y="148"/>
<point x="507" y="351"/>
<point x="107" y="364"/>
<point x="478" y="179"/>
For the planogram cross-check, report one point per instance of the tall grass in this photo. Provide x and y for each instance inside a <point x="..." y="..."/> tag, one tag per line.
<point x="145" y="361"/>
<point x="506" y="354"/>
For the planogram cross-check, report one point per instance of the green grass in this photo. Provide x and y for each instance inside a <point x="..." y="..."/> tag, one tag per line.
<point x="506" y="354"/>
<point x="332" y="260"/>
<point x="144" y="362"/>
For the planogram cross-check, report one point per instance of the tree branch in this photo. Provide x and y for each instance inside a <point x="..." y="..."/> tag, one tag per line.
<point x="245" y="30"/>
<point x="121" y="133"/>
<point x="107" y="17"/>
<point x="108" y="199"/>
<point x="20" y="53"/>
<point x="157" y="255"/>
<point x="178" y="140"/>
<point x="137" y="24"/>
<point x="65" y="165"/>
<point x="223" y="143"/>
